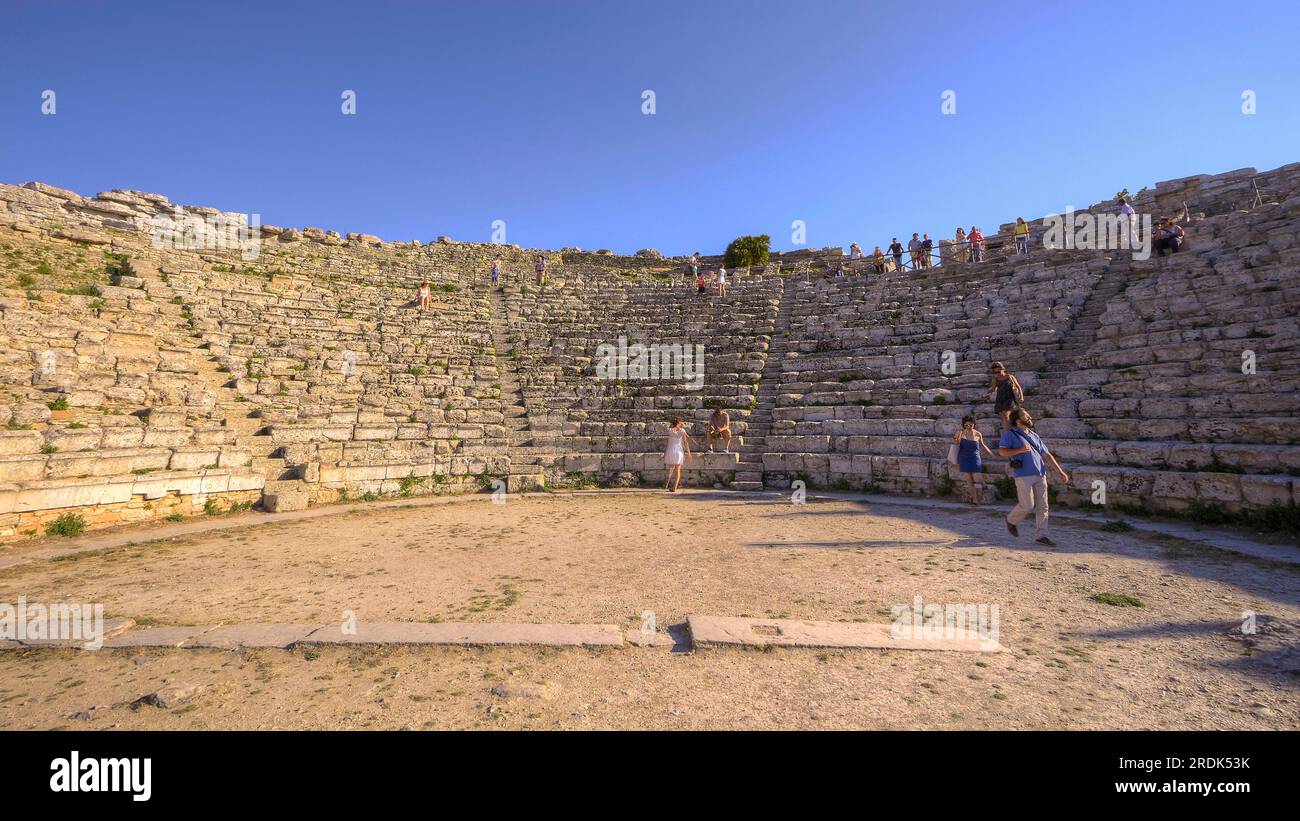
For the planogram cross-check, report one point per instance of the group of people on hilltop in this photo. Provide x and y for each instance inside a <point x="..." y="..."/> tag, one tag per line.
<point x="970" y="247"/>
<point x="702" y="278"/>
<point x="1168" y="238"/>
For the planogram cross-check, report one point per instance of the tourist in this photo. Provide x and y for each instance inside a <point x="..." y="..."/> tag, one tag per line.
<point x="1168" y="238"/>
<point x="677" y="451"/>
<point x="720" y="428"/>
<point x="722" y="280"/>
<point x="701" y="284"/>
<point x="970" y="461"/>
<point x="1129" y="217"/>
<point x="1022" y="237"/>
<point x="878" y="260"/>
<point x="960" y="247"/>
<point x="695" y="266"/>
<point x="1006" y="392"/>
<point x="540" y="267"/>
<point x="927" y="251"/>
<point x="976" y="237"/>
<point x="1027" y="453"/>
<point x="496" y="271"/>
<point x="425" y="295"/>
<point x="854" y="251"/>
<point x="896" y="249"/>
<point x="914" y="250"/>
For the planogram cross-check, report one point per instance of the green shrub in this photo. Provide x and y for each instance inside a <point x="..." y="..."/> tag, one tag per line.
<point x="1117" y="600"/>
<point x="1117" y="526"/>
<point x="750" y="250"/>
<point x="69" y="524"/>
<point x="407" y="484"/>
<point x="211" y="508"/>
<point x="59" y="403"/>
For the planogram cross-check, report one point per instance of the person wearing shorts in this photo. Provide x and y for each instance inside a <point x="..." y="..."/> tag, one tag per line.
<point x="722" y="281"/>
<point x="1006" y="393"/>
<point x="425" y="295"/>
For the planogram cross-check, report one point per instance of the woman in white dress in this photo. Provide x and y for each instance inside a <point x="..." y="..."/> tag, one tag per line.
<point x="676" y="452"/>
<point x="722" y="281"/>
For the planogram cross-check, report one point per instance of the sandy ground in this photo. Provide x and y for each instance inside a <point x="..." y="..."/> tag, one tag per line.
<point x="1178" y="661"/>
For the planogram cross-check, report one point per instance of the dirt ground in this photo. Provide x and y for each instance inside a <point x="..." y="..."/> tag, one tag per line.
<point x="1177" y="661"/>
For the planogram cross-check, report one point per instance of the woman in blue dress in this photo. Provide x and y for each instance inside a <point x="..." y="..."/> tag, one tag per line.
<point x="970" y="461"/>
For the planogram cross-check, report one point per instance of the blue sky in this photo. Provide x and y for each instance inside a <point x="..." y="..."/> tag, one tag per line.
<point x="530" y="112"/>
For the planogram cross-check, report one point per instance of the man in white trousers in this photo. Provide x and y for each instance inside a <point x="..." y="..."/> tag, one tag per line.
<point x="1029" y="459"/>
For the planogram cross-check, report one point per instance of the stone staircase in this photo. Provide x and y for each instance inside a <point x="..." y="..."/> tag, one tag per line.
<point x="1071" y="353"/>
<point x="749" y="470"/>
<point x="526" y="470"/>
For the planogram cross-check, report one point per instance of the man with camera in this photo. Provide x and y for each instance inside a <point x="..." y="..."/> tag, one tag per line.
<point x="1028" y="459"/>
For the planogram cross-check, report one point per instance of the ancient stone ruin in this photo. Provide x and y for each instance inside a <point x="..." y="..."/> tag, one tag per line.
<point x="148" y="378"/>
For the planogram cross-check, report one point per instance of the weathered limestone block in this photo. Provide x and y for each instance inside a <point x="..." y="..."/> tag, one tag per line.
<point x="19" y="442"/>
<point x="29" y="413"/>
<point x="158" y="437"/>
<point x="193" y="458"/>
<point x="300" y="434"/>
<point x="22" y="468"/>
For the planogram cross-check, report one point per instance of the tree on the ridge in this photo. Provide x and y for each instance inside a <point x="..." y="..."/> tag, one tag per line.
<point x="748" y="251"/>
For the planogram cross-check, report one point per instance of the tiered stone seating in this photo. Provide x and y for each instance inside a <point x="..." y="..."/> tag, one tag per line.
<point x="143" y="378"/>
<point x="1161" y="406"/>
<point x="582" y="424"/>
<point x="863" y="397"/>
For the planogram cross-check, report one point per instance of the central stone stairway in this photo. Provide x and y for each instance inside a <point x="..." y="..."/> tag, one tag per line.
<point x="1083" y="333"/>
<point x="526" y="470"/>
<point x="749" y="471"/>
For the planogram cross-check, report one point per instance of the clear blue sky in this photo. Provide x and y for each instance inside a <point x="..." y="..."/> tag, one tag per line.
<point x="530" y="112"/>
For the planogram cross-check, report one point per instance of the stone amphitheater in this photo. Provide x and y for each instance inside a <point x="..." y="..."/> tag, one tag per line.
<point x="147" y="380"/>
<point x="283" y="462"/>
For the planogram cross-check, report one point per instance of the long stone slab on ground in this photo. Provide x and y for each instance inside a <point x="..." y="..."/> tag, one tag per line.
<point x="157" y="636"/>
<point x="235" y="636"/>
<point x="111" y="627"/>
<point x="731" y="631"/>
<point x="469" y="633"/>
